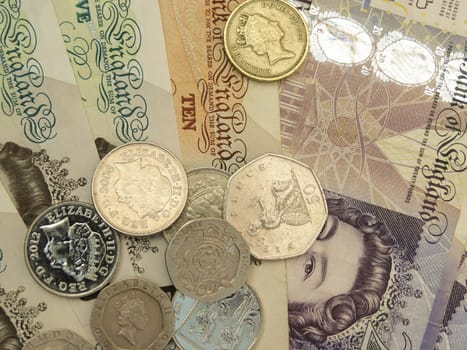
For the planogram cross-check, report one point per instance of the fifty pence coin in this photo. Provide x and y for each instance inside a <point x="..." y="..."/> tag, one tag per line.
<point x="57" y="339"/>
<point x="207" y="259"/>
<point x="231" y="323"/>
<point x="278" y="206"/>
<point x="133" y="314"/>
<point x="266" y="39"/>
<point x="139" y="188"/>
<point x="206" y="188"/>
<point x="70" y="250"/>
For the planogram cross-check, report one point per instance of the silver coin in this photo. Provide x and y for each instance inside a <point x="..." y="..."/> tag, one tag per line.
<point x="57" y="339"/>
<point x="70" y="250"/>
<point x="208" y="259"/>
<point x="133" y="314"/>
<point x="231" y="323"/>
<point x="206" y="187"/>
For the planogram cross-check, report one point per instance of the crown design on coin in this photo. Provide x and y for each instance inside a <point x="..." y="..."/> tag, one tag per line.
<point x="76" y="250"/>
<point x="142" y="187"/>
<point x="212" y="236"/>
<point x="20" y="314"/>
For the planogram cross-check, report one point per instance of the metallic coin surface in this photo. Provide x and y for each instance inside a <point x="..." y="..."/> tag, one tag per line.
<point x="139" y="188"/>
<point x="133" y="314"/>
<point x="70" y="250"/>
<point x="231" y="323"/>
<point x="206" y="188"/>
<point x="57" y="339"/>
<point x="207" y="259"/>
<point x="266" y="39"/>
<point x="278" y="206"/>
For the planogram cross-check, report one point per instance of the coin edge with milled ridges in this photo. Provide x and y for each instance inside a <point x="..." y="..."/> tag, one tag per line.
<point x="243" y="264"/>
<point x="183" y="198"/>
<point x="43" y="284"/>
<point x="83" y="345"/>
<point x="299" y="63"/>
<point x="164" y="301"/>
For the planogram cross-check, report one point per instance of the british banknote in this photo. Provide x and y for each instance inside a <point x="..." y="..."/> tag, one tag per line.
<point x="378" y="111"/>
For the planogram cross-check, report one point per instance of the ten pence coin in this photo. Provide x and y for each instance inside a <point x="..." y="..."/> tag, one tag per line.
<point x="206" y="187"/>
<point x="70" y="250"/>
<point x="266" y="39"/>
<point x="133" y="314"/>
<point x="57" y="339"/>
<point x="207" y="259"/>
<point x="278" y="206"/>
<point x="139" y="188"/>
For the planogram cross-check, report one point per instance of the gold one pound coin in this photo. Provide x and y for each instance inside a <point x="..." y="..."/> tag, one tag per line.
<point x="266" y="39"/>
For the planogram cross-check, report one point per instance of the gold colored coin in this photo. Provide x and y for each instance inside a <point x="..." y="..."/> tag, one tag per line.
<point x="139" y="188"/>
<point x="278" y="206"/>
<point x="266" y="39"/>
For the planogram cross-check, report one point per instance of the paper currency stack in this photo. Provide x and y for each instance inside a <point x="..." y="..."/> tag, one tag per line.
<point x="365" y="249"/>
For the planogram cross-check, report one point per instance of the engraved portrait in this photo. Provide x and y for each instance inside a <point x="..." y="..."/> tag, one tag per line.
<point x="132" y="318"/>
<point x="75" y="249"/>
<point x="263" y="36"/>
<point x="9" y="339"/>
<point x="142" y="187"/>
<point x="342" y="277"/>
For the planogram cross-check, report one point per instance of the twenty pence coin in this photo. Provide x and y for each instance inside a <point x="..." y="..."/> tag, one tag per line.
<point x="207" y="259"/>
<point x="133" y="314"/>
<point x="266" y="39"/>
<point x="278" y="206"/>
<point x="70" y="250"/>
<point x="230" y="323"/>
<point x="139" y="188"/>
<point x="206" y="187"/>
<point x="57" y="339"/>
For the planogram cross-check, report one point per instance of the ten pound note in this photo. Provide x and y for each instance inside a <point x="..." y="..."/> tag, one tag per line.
<point x="378" y="110"/>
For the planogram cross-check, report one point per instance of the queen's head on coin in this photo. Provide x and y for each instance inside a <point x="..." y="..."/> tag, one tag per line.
<point x="132" y="318"/>
<point x="342" y="277"/>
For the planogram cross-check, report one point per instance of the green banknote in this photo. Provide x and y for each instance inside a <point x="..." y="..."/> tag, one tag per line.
<point x="378" y="111"/>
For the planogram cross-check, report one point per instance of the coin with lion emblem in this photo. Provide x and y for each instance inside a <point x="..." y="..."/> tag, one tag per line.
<point x="139" y="188"/>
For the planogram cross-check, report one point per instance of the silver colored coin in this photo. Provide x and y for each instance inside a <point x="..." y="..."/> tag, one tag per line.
<point x="57" y="339"/>
<point x="207" y="259"/>
<point x="133" y="314"/>
<point x="139" y="188"/>
<point x="278" y="206"/>
<point x="206" y="187"/>
<point x="231" y="323"/>
<point x="70" y="250"/>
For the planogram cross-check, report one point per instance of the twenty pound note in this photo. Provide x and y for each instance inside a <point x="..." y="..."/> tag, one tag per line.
<point x="378" y="110"/>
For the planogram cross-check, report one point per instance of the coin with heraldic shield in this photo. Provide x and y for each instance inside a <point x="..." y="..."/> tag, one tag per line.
<point x="278" y="206"/>
<point x="57" y="339"/>
<point x="266" y="39"/>
<point x="133" y="314"/>
<point x="206" y="187"/>
<point x="139" y="188"/>
<point x="230" y="323"/>
<point x="207" y="259"/>
<point x="70" y="250"/>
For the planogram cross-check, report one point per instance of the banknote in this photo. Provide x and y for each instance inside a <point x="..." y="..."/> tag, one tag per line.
<point x="378" y="112"/>
<point x="117" y="52"/>
<point x="224" y="120"/>
<point x="26" y="308"/>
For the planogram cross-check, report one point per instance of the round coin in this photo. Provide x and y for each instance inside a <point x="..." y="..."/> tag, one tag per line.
<point x="132" y="314"/>
<point x="266" y="39"/>
<point x="278" y="206"/>
<point x="57" y="339"/>
<point x="206" y="188"/>
<point x="207" y="259"/>
<point x="139" y="188"/>
<point x="231" y="323"/>
<point x="70" y="250"/>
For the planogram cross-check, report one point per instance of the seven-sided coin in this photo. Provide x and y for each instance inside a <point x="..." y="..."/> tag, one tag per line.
<point x="57" y="339"/>
<point x="139" y="188"/>
<point x="207" y="259"/>
<point x="70" y="250"/>
<point x="132" y="314"/>
<point x="278" y="206"/>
